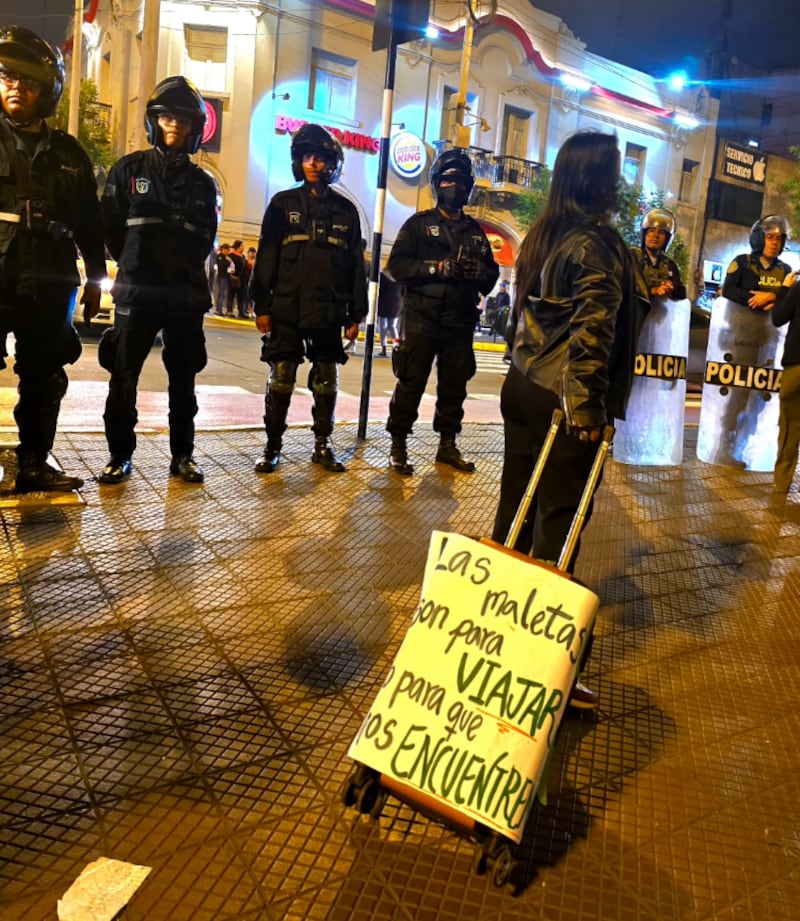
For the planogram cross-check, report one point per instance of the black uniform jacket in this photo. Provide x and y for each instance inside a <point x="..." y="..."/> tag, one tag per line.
<point x="161" y="218"/>
<point x="656" y="273"/>
<point x="309" y="270"/>
<point x="48" y="204"/>
<point x="425" y="240"/>
<point x="787" y="310"/>
<point x="746" y="274"/>
<point x="577" y="336"/>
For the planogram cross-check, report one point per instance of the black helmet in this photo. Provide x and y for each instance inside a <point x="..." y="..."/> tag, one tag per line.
<point x="660" y="219"/>
<point x="175" y="96"/>
<point x="315" y="139"/>
<point x="23" y="52"/>
<point x="762" y="225"/>
<point x="454" y="165"/>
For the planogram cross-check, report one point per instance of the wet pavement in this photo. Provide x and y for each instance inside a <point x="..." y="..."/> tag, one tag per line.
<point x="183" y="668"/>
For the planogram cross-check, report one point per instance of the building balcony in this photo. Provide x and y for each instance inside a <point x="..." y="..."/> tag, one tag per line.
<point x="495" y="171"/>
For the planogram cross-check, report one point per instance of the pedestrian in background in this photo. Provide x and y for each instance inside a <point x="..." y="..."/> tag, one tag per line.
<point x="578" y="321"/>
<point x="238" y="280"/>
<point x="223" y="268"/>
<point x="389" y="301"/>
<point x="48" y="204"/>
<point x="442" y="258"/>
<point x="249" y="264"/>
<point x="160" y="218"/>
<point x="308" y="283"/>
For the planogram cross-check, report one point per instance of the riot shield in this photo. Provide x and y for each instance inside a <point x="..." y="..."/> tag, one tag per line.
<point x="740" y="408"/>
<point x="652" y="432"/>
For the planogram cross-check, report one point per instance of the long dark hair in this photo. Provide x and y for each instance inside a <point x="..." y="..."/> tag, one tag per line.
<point x="583" y="187"/>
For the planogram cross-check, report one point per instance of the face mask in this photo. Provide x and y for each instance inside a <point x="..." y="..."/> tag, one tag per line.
<point x="452" y="198"/>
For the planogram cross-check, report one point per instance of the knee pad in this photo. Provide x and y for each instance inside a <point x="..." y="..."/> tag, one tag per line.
<point x="324" y="377"/>
<point x="283" y="377"/>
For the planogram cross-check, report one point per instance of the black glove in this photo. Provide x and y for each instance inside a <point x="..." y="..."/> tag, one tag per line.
<point x="474" y="270"/>
<point x="451" y="268"/>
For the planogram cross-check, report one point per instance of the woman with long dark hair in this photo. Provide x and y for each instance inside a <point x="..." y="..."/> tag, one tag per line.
<point x="578" y="314"/>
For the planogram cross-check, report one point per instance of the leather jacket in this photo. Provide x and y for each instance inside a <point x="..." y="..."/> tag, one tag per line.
<point x="577" y="335"/>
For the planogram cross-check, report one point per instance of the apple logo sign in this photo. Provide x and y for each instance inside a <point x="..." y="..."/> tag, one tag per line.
<point x="760" y="170"/>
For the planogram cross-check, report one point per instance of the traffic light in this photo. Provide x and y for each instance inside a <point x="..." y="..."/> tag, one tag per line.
<point x="399" y="21"/>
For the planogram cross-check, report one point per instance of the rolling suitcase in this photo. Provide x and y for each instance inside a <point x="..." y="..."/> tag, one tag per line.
<point x="463" y="725"/>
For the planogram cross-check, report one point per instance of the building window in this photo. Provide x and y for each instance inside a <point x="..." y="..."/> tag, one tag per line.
<point x="206" y="56"/>
<point x="633" y="164"/>
<point x="688" y="180"/>
<point x="516" y="130"/>
<point x="332" y="84"/>
<point x="766" y="114"/>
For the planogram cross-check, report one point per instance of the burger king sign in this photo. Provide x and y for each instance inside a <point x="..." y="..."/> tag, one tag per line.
<point x="407" y="155"/>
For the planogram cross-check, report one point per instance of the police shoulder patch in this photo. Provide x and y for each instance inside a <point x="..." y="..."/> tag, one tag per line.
<point x="141" y="186"/>
<point x="294" y="217"/>
<point x="733" y="267"/>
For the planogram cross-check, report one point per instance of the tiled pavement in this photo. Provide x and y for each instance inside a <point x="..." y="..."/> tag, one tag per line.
<point x="182" y="670"/>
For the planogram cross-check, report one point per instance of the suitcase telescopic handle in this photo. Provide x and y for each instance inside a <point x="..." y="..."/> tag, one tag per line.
<point x="533" y="482"/>
<point x="579" y="520"/>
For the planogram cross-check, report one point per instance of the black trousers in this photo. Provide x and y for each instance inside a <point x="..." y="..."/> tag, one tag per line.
<point x="452" y="350"/>
<point x="45" y="341"/>
<point x="527" y="410"/>
<point x="124" y="354"/>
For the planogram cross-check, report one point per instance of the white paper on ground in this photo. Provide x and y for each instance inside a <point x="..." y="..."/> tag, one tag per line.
<point x="101" y="891"/>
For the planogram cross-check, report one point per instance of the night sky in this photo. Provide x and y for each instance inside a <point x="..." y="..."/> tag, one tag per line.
<point x="659" y="36"/>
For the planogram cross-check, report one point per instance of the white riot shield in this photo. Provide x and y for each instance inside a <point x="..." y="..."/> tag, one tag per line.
<point x="739" y="413"/>
<point x="652" y="432"/>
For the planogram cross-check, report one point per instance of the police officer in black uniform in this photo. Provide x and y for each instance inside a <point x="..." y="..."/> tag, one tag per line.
<point x="48" y="204"/>
<point x="445" y="262"/>
<point x="754" y="278"/>
<point x="308" y="283"/>
<point x="160" y="214"/>
<point x="661" y="275"/>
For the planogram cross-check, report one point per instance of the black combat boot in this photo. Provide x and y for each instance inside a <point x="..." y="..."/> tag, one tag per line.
<point x="270" y="459"/>
<point x="398" y="458"/>
<point x="323" y="454"/>
<point x="41" y="477"/>
<point x="448" y="453"/>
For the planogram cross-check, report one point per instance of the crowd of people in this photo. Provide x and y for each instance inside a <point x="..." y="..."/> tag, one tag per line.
<point x="581" y="296"/>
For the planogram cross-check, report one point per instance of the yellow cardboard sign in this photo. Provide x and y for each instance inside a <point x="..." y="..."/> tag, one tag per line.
<point x="469" y="709"/>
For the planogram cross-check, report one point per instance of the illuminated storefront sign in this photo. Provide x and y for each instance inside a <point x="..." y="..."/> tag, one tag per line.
<point x="407" y="155"/>
<point x="286" y="125"/>
<point x="744" y="163"/>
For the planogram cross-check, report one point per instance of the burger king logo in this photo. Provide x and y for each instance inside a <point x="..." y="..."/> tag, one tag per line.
<point x="407" y="155"/>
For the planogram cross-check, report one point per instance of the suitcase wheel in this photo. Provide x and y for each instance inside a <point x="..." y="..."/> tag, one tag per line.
<point x="502" y="866"/>
<point x="370" y="799"/>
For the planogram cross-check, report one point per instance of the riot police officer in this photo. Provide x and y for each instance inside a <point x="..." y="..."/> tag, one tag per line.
<point x="661" y="275"/>
<point x="754" y="279"/>
<point x="445" y="262"/>
<point x="308" y="283"/>
<point x="48" y="204"/>
<point x="160" y="215"/>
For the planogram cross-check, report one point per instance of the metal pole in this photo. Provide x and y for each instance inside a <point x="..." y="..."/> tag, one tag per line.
<point x="377" y="233"/>
<point x="75" y="70"/>
<point x="149" y="61"/>
<point x="462" y="134"/>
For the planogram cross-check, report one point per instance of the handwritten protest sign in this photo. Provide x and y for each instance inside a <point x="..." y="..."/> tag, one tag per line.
<point x="469" y="709"/>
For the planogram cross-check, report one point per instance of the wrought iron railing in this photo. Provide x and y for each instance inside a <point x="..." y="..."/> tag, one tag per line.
<point x="497" y="170"/>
